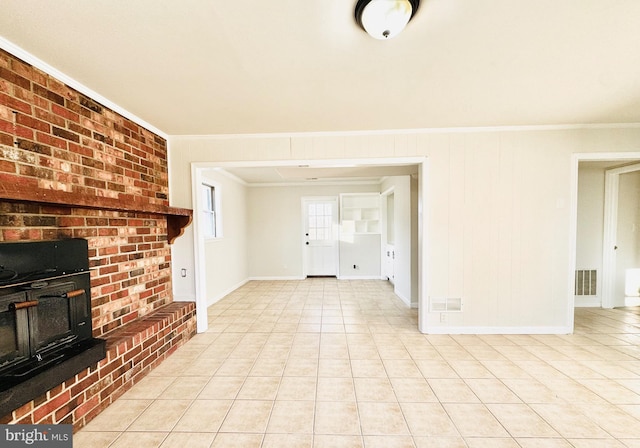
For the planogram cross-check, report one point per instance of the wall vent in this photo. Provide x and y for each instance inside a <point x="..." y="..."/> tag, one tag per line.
<point x="445" y="304"/>
<point x="586" y="282"/>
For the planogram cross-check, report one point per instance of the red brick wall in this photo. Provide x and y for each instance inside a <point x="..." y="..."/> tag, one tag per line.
<point x="57" y="143"/>
<point x="56" y="138"/>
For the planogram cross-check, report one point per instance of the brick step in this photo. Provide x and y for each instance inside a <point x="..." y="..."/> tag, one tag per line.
<point x="133" y="350"/>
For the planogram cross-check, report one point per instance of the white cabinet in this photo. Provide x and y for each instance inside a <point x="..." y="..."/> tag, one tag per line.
<point x="360" y="213"/>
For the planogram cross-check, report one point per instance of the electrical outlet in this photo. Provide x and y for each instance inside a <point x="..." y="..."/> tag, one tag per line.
<point x="443" y="318"/>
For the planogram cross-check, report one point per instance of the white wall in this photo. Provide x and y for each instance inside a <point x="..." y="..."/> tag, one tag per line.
<point x="227" y="257"/>
<point x="404" y="245"/>
<point x="360" y="256"/>
<point x="275" y="226"/>
<point x="590" y="226"/>
<point x="499" y="218"/>
<point x="182" y="256"/>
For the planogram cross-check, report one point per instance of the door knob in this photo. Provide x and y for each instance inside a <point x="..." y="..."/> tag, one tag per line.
<point x="307" y="243"/>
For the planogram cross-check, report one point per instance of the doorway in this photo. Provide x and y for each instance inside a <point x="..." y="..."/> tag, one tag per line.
<point x="184" y="249"/>
<point x="320" y="229"/>
<point x="595" y="273"/>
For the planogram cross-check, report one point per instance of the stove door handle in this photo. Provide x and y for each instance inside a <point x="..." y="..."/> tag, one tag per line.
<point x="21" y="305"/>
<point x="76" y="293"/>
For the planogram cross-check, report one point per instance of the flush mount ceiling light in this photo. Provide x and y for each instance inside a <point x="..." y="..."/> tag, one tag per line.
<point x="384" y="19"/>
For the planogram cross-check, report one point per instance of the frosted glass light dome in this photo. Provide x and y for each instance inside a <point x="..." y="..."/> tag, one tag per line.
<point x="385" y="19"/>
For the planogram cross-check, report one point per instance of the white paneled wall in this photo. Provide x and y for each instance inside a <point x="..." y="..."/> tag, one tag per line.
<point x="499" y="210"/>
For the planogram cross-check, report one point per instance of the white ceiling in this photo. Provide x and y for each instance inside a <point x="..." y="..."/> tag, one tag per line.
<point x="230" y="67"/>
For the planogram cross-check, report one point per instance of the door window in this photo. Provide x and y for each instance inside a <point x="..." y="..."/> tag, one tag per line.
<point x="320" y="221"/>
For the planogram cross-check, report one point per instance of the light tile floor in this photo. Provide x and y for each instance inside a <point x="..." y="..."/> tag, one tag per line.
<point x="324" y="363"/>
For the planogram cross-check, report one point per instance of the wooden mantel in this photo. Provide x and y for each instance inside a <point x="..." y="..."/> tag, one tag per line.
<point x="177" y="218"/>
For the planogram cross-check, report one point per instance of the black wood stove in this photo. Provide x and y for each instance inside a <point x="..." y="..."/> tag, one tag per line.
<point x="45" y="318"/>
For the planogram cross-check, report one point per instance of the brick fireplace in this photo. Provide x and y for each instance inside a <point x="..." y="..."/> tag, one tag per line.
<point x="72" y="168"/>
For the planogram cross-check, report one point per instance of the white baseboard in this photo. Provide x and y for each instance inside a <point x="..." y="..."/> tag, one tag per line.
<point x="497" y="330"/>
<point x="587" y="302"/>
<point x="632" y="301"/>
<point x="356" y="277"/>
<point x="276" y="278"/>
<point x="212" y="300"/>
<point x="406" y="300"/>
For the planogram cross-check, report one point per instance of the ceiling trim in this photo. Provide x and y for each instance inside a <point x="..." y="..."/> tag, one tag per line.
<point x="52" y="71"/>
<point x="289" y="135"/>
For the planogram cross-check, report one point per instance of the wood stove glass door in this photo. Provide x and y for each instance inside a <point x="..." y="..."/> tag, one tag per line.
<point x="10" y="345"/>
<point x="52" y="323"/>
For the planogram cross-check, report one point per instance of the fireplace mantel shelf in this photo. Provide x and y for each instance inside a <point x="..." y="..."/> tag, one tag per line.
<point x="177" y="218"/>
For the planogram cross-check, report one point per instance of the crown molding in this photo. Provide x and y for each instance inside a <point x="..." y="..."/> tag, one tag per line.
<point x="395" y="132"/>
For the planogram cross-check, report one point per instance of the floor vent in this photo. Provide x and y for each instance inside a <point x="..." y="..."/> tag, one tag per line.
<point x="586" y="282"/>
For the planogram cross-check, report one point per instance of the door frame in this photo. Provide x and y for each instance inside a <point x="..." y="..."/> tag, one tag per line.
<point x="336" y="224"/>
<point x="423" y="209"/>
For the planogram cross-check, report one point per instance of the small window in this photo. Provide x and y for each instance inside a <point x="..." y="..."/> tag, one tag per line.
<point x="210" y="224"/>
<point x="320" y="222"/>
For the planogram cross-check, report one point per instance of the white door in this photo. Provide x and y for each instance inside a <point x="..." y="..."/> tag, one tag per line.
<point x="320" y="236"/>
